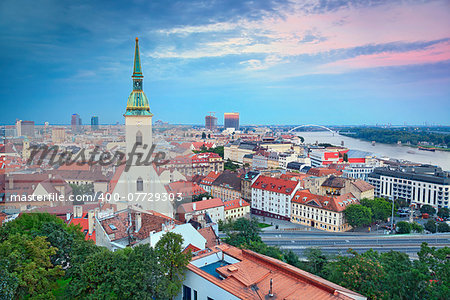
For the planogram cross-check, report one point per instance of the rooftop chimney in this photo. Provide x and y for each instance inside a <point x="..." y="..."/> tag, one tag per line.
<point x="77" y="211"/>
<point x="11" y="182"/>
<point x="91" y="221"/>
<point x="138" y="220"/>
<point x="194" y="206"/>
<point x="270" y="290"/>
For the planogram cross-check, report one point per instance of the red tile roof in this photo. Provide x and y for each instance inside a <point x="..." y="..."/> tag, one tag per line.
<point x="186" y="188"/>
<point x="251" y="277"/>
<point x="84" y="224"/>
<point x="323" y="171"/>
<point x="276" y="185"/>
<point x="209" y="179"/>
<point x="236" y="203"/>
<point x="200" y="205"/>
<point x="362" y="185"/>
<point x="210" y="236"/>
<point x="335" y="204"/>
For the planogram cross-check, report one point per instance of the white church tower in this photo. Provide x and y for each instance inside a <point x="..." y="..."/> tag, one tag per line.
<point x="139" y="184"/>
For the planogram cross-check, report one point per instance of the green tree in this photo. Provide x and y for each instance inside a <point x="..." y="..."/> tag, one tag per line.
<point x="428" y="209"/>
<point x="381" y="209"/>
<point x="203" y="136"/>
<point x="416" y="227"/>
<point x="358" y="215"/>
<point x="359" y="272"/>
<point x="28" y="264"/>
<point x="173" y="261"/>
<point x="430" y="225"/>
<point x="443" y="212"/>
<point x="401" y="281"/>
<point x="229" y="165"/>
<point x="403" y="227"/>
<point x="316" y="261"/>
<point x="433" y="266"/>
<point x="61" y="236"/>
<point x="82" y="189"/>
<point x="242" y="232"/>
<point x="443" y="227"/>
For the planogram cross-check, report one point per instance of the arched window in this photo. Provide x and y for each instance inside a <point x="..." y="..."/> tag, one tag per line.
<point x="138" y="138"/>
<point x="139" y="185"/>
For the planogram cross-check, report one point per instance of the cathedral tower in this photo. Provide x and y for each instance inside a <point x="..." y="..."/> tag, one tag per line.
<point x="139" y="184"/>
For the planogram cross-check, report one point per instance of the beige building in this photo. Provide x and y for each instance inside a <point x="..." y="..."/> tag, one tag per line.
<point x="321" y="212"/>
<point x="360" y="189"/>
<point x="237" y="208"/>
<point x="58" y="135"/>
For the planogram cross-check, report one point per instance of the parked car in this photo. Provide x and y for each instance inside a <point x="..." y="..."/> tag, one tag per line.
<point x="439" y="219"/>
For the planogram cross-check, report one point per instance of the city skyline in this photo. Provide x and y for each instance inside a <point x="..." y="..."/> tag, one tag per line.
<point x="273" y="62"/>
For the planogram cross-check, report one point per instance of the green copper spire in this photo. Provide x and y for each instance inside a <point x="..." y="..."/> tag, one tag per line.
<point x="137" y="104"/>
<point x="137" y="71"/>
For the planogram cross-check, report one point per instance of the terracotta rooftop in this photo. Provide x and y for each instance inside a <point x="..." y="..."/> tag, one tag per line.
<point x="250" y="278"/>
<point x="334" y="182"/>
<point x="276" y="185"/>
<point x="236" y="203"/>
<point x="335" y="204"/>
<point x="200" y="205"/>
<point x="228" y="180"/>
<point x="323" y="172"/>
<point x="208" y="180"/>
<point x="362" y="185"/>
<point x="210" y="236"/>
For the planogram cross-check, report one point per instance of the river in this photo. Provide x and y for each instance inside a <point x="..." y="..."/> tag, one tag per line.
<point x="440" y="158"/>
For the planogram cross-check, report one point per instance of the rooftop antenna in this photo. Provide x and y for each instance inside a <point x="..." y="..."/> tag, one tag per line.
<point x="270" y="290"/>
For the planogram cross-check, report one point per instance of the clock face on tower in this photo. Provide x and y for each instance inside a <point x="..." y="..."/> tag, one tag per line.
<point x="137" y="85"/>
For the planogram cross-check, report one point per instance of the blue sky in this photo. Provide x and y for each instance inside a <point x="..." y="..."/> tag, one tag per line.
<point x="275" y="62"/>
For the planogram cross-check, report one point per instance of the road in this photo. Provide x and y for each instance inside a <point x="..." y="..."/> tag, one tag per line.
<point x="339" y="243"/>
<point x="332" y="243"/>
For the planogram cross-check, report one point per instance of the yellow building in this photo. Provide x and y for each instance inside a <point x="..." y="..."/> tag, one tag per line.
<point x="321" y="212"/>
<point x="237" y="208"/>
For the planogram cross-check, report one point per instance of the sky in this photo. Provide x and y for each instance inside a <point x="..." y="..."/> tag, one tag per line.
<point x="274" y="62"/>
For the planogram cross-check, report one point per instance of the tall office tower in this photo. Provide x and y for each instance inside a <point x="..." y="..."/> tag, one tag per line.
<point x="211" y="121"/>
<point x="231" y="120"/>
<point x="25" y="128"/>
<point x="94" y="123"/>
<point x="76" y="123"/>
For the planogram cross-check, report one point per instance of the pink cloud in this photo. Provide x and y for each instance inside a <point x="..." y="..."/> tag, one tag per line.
<point x="436" y="53"/>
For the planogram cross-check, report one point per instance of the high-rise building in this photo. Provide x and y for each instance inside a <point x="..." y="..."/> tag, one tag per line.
<point x="231" y="120"/>
<point x="211" y="122"/>
<point x="76" y="123"/>
<point x="94" y="123"/>
<point x="25" y="128"/>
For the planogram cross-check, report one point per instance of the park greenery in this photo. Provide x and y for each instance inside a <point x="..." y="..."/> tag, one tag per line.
<point x="405" y="135"/>
<point x="368" y="211"/>
<point x="42" y="257"/>
<point x="427" y="209"/>
<point x="219" y="150"/>
<point x="82" y="189"/>
<point x="229" y="165"/>
<point x="389" y="275"/>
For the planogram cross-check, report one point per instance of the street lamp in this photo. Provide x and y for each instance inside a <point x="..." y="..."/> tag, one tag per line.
<point x="436" y="223"/>
<point x="392" y="217"/>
